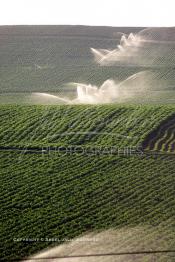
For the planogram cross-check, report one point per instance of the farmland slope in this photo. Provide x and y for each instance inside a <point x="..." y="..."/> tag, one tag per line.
<point x="63" y="195"/>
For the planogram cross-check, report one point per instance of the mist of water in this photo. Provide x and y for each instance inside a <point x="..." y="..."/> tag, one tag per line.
<point x="128" y="47"/>
<point x="149" y="47"/>
<point x="111" y="91"/>
<point x="48" y="98"/>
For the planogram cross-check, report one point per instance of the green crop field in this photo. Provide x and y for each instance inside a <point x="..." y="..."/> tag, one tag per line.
<point x="54" y="194"/>
<point x="67" y="170"/>
<point x="63" y="197"/>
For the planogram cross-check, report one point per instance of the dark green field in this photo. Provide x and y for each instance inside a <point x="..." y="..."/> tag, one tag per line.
<point x="62" y="197"/>
<point x="64" y="194"/>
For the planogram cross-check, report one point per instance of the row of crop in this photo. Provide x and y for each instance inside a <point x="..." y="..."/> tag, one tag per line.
<point x="163" y="138"/>
<point x="167" y="139"/>
<point x="161" y="134"/>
